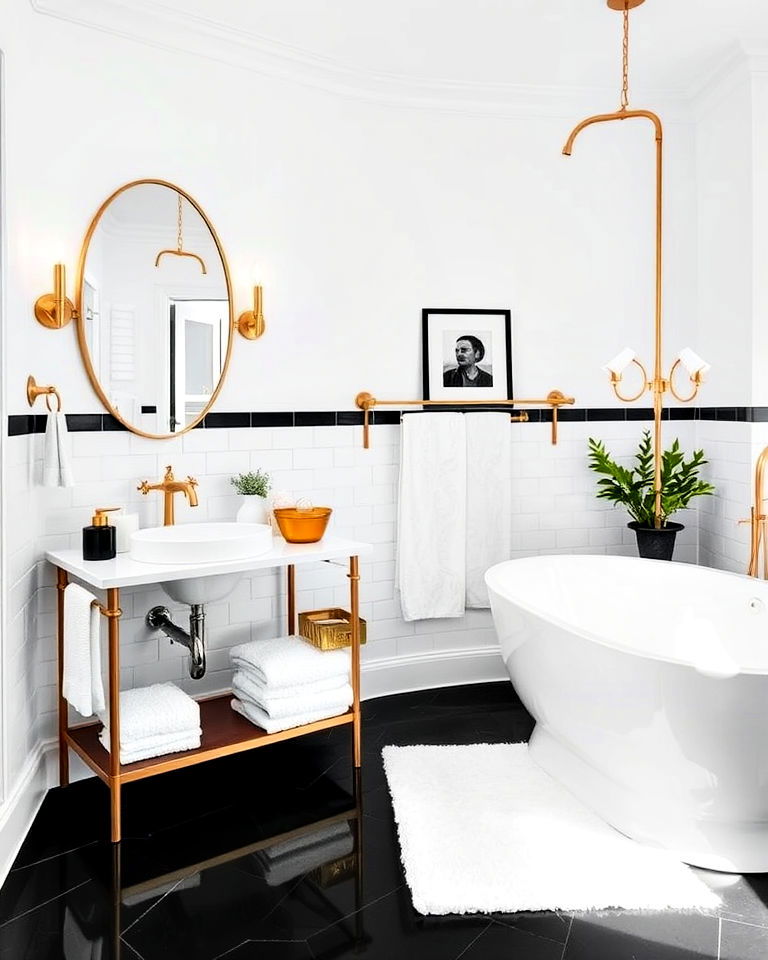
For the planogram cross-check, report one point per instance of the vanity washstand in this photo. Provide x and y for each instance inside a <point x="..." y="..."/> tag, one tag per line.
<point x="224" y="732"/>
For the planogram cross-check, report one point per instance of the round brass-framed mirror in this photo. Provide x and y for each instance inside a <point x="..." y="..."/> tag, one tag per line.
<point x="155" y="314"/>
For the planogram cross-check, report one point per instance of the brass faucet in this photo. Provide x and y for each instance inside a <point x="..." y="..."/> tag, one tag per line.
<point x="171" y="486"/>
<point x="758" y="520"/>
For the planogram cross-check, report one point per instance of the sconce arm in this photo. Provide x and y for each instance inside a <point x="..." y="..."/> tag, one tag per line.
<point x="616" y="380"/>
<point x="695" y="380"/>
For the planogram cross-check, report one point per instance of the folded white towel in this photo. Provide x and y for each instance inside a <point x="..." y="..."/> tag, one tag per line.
<point x="431" y="560"/>
<point x="82" y="686"/>
<point x="305" y="853"/>
<point x="150" y="711"/>
<point x="149" y="743"/>
<point x="257" y="716"/>
<point x="245" y="688"/>
<point x="292" y="690"/>
<point x="171" y="743"/>
<point x="57" y="455"/>
<point x="289" y="660"/>
<point x="489" y="499"/>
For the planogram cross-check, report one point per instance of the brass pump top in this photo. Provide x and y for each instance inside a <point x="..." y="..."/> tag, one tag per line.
<point x="99" y="519"/>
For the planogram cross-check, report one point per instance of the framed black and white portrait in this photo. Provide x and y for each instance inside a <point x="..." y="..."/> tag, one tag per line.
<point x="467" y="354"/>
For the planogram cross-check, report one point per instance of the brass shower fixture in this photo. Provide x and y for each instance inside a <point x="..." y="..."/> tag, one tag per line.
<point x="657" y="384"/>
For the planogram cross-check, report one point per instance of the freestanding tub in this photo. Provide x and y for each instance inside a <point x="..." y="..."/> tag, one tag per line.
<point x="648" y="682"/>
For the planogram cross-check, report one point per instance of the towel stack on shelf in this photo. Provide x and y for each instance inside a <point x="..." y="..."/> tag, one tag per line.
<point x="286" y="682"/>
<point x="153" y="721"/>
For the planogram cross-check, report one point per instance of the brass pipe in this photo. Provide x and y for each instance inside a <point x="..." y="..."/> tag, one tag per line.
<point x="291" y="590"/>
<point x="354" y="607"/>
<point x="62" y="579"/>
<point x="658" y="385"/>
<point x="757" y="517"/>
<point x="113" y="608"/>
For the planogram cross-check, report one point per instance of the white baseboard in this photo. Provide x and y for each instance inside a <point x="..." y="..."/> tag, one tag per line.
<point x="21" y="806"/>
<point x="423" y="671"/>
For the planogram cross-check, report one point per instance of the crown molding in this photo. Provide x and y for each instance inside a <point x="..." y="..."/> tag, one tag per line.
<point x="157" y="25"/>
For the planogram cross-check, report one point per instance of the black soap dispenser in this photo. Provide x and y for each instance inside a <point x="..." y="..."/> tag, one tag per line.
<point x="100" y="539"/>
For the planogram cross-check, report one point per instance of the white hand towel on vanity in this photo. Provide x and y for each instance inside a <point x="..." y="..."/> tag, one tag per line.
<point x="82" y="684"/>
<point x="281" y="661"/>
<point x="432" y="516"/>
<point x="57" y="459"/>
<point x="489" y="499"/>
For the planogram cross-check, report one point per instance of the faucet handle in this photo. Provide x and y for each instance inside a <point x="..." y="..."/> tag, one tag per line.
<point x="143" y="487"/>
<point x="168" y="473"/>
<point x="191" y="481"/>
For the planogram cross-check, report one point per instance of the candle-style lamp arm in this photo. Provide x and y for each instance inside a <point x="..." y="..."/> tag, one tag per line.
<point x="695" y="378"/>
<point x="616" y="379"/>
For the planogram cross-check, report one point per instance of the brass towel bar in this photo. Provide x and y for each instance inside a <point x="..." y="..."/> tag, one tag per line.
<point x="555" y="399"/>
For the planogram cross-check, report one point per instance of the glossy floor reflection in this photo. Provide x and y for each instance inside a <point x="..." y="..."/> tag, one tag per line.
<point x="275" y="855"/>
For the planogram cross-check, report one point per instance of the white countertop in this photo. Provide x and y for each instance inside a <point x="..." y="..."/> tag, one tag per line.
<point x="125" y="572"/>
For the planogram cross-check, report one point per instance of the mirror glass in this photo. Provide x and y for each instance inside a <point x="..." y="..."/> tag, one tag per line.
<point x="155" y="313"/>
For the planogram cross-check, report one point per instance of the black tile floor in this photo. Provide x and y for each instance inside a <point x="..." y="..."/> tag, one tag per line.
<point x="197" y="877"/>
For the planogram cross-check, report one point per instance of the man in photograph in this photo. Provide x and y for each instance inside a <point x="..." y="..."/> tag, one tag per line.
<point x="469" y="352"/>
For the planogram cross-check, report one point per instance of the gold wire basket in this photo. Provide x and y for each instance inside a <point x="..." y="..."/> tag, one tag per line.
<point x="329" y="629"/>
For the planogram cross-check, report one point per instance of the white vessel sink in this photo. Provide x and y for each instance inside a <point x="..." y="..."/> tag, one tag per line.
<point x="194" y="543"/>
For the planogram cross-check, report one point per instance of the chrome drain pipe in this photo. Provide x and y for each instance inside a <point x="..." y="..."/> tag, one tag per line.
<point x="159" y="618"/>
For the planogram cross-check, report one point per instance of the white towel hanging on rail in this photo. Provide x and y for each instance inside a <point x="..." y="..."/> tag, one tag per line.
<point x="431" y="561"/>
<point x="489" y="499"/>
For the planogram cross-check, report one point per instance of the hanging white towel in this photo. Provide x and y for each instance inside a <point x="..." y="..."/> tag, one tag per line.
<point x="161" y="708"/>
<point x="489" y="499"/>
<point x="82" y="682"/>
<point x="257" y="716"/>
<point x="289" y="660"/>
<point x="432" y="516"/>
<point x="244" y="688"/>
<point x="57" y="453"/>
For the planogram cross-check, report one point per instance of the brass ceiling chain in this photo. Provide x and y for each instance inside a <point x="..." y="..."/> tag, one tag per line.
<point x="625" y="60"/>
<point x="179" y="241"/>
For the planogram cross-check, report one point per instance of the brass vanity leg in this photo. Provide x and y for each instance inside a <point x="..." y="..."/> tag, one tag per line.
<point x="117" y="903"/>
<point x="113" y="613"/>
<point x="354" y="604"/>
<point x="61" y="584"/>
<point x="291" y="598"/>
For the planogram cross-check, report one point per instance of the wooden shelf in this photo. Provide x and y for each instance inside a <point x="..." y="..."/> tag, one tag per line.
<point x="224" y="732"/>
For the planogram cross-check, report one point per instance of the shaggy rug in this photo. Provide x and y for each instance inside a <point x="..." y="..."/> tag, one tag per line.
<point x="482" y="829"/>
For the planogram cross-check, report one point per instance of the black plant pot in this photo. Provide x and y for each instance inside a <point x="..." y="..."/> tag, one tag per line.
<point x="655" y="544"/>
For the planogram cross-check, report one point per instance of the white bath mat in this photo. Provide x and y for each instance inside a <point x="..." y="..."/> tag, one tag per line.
<point x="483" y="829"/>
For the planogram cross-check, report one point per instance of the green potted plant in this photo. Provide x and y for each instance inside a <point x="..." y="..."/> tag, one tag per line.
<point x="633" y="489"/>
<point x="254" y="488"/>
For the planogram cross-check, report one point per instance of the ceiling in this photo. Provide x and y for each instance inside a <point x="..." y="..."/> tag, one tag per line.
<point x="549" y="43"/>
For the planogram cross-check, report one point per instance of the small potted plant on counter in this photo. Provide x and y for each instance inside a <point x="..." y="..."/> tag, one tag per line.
<point x="633" y="489"/>
<point x="254" y="488"/>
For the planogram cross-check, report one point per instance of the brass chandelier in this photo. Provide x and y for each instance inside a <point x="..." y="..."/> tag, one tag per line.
<point x="658" y="384"/>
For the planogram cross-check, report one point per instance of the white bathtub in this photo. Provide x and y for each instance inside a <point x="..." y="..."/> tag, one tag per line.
<point x="648" y="682"/>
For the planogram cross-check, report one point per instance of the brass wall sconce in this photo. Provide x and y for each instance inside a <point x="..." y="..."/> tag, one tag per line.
<point x="687" y="358"/>
<point x="250" y="323"/>
<point x="34" y="391"/>
<point x="54" y="310"/>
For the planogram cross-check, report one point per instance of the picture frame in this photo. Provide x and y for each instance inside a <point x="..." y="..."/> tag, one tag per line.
<point x="466" y="354"/>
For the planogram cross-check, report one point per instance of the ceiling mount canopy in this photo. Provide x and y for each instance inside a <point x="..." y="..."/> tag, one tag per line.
<point x="624" y="4"/>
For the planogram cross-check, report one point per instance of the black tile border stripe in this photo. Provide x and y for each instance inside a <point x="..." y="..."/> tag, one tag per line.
<point x="20" y="425"/>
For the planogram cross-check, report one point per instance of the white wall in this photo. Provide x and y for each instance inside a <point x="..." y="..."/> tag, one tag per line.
<point x="353" y="216"/>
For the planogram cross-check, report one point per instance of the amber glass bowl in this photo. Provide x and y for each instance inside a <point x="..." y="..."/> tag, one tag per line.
<point x="302" y="526"/>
